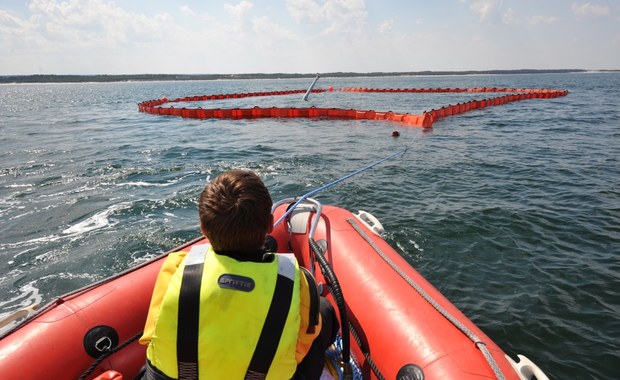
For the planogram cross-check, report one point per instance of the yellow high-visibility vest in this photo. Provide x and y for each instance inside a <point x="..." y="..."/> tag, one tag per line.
<point x="235" y="298"/>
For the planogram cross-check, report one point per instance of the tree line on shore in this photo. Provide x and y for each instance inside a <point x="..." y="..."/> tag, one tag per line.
<point x="53" y="78"/>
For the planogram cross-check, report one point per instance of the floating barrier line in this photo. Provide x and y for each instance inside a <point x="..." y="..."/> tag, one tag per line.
<point x="426" y="119"/>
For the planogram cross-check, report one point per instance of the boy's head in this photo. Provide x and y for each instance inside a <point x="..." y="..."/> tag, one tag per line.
<point x="235" y="212"/>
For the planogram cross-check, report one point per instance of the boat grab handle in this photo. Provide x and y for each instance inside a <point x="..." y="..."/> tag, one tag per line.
<point x="371" y="222"/>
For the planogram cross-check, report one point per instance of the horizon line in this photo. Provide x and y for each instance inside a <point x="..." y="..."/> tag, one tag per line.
<point x="50" y="78"/>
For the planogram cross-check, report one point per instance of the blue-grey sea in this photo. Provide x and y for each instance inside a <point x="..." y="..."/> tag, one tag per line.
<point x="513" y="212"/>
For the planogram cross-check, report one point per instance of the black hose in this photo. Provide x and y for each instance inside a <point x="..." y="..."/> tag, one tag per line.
<point x="336" y="291"/>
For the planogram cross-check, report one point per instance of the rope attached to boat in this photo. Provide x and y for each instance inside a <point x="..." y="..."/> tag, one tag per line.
<point x="107" y="353"/>
<point x="333" y="183"/>
<point x="470" y="334"/>
<point x="369" y="359"/>
<point x="426" y="119"/>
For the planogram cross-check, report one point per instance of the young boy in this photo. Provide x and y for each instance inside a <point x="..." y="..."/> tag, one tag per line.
<point x="230" y="310"/>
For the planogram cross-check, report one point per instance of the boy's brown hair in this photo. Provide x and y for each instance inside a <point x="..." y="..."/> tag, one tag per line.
<point x="235" y="212"/>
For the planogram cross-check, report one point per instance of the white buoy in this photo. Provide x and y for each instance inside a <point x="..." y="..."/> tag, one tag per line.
<point x="311" y="87"/>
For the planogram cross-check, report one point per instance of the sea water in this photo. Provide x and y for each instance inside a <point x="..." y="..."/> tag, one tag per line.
<point x="513" y="212"/>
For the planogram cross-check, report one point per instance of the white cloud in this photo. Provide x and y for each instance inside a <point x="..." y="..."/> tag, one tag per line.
<point x="83" y="37"/>
<point x="17" y="32"/>
<point x="335" y="12"/>
<point x="589" y="9"/>
<point x="187" y="10"/>
<point x="386" y="27"/>
<point x="483" y="7"/>
<point x="110" y="36"/>
<point x="263" y="26"/>
<point x="239" y="10"/>
<point x="10" y="22"/>
<point x="93" y="23"/>
<point x="540" y="19"/>
<point x="345" y="9"/>
<point x="237" y="28"/>
<point x="302" y="10"/>
<point x="510" y="17"/>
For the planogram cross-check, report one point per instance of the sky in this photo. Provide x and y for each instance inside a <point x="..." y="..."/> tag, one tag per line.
<point x="305" y="36"/>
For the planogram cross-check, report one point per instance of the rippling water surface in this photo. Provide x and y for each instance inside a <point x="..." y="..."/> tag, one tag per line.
<point x="513" y="212"/>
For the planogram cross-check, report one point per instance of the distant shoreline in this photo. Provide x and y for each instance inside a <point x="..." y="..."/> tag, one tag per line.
<point x="51" y="78"/>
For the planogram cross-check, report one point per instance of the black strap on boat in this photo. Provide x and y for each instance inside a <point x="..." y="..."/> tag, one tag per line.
<point x="188" y="314"/>
<point x="271" y="333"/>
<point x="313" y="318"/>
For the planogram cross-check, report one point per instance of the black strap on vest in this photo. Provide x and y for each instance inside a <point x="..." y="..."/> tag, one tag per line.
<point x="269" y="339"/>
<point x="188" y="320"/>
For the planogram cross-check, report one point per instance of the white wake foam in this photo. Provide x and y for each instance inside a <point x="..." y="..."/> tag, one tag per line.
<point x="97" y="221"/>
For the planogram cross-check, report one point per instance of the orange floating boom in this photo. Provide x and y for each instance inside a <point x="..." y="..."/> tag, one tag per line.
<point x="426" y="119"/>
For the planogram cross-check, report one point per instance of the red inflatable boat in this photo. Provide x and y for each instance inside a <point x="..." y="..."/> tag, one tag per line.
<point x="395" y="324"/>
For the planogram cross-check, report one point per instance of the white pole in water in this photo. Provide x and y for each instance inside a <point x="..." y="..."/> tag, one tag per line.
<point x="311" y="87"/>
